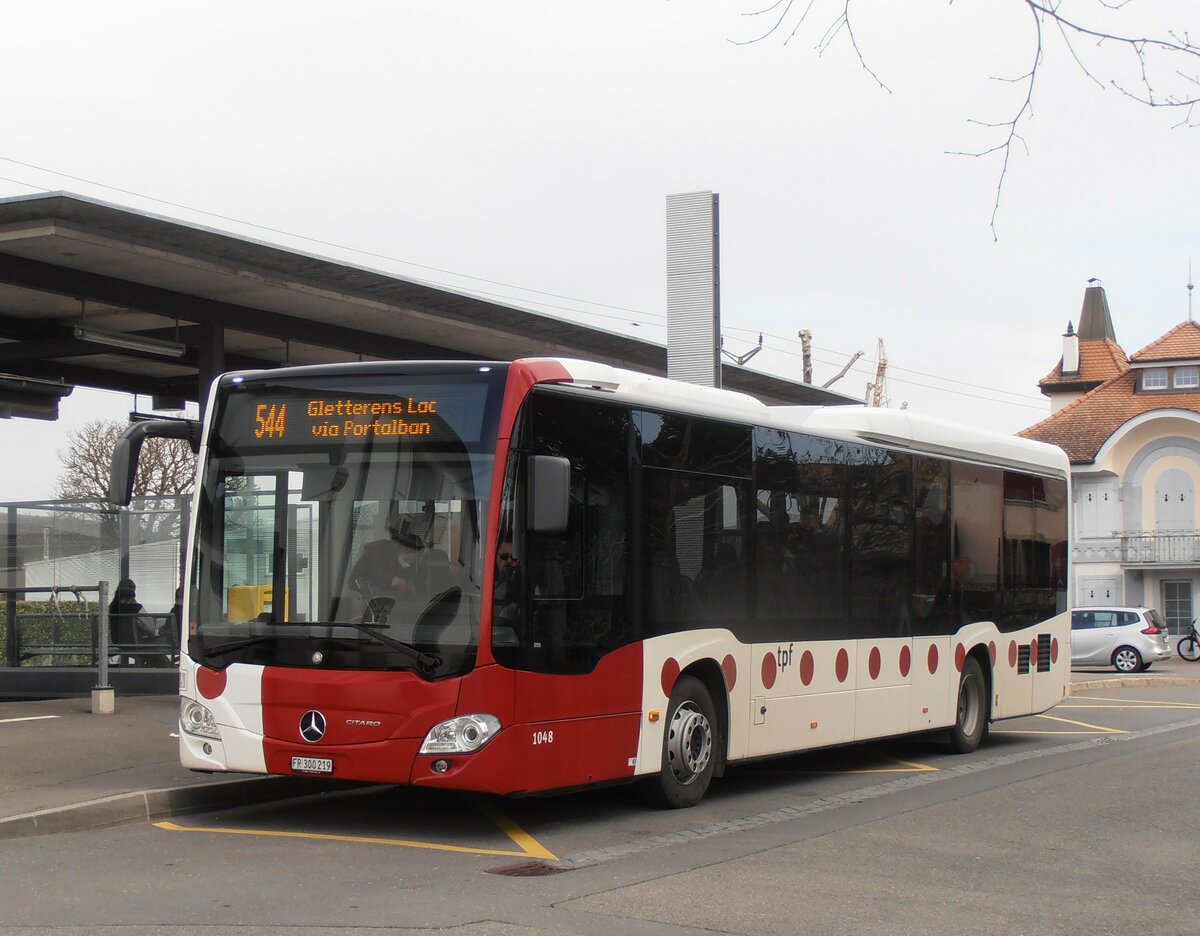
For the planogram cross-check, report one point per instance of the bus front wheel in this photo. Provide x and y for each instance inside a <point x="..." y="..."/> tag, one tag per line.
<point x="970" y="721"/>
<point x="689" y="753"/>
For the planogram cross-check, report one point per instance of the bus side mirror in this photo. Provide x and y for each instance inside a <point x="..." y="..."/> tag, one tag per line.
<point x="129" y="446"/>
<point x="549" y="494"/>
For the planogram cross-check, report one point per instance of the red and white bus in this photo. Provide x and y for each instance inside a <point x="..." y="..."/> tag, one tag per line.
<point x="539" y="575"/>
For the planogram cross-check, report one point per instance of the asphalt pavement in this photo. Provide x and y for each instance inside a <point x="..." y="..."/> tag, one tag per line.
<point x="63" y="768"/>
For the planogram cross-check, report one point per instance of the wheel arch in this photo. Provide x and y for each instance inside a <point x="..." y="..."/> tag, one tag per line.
<point x="983" y="657"/>
<point x="708" y="671"/>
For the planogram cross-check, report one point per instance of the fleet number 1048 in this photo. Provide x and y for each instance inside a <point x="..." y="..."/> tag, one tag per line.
<point x="543" y="737"/>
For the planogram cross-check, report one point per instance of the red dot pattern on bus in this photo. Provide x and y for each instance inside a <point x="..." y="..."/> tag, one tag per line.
<point x="807" y="667"/>
<point x="729" y="667"/>
<point x="1033" y="649"/>
<point x="211" y="683"/>
<point x="670" y="673"/>
<point x="768" y="670"/>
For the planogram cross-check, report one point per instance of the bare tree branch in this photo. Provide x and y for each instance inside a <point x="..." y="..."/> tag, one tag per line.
<point x="1167" y="66"/>
<point x="1029" y="79"/>
<point x="165" y="466"/>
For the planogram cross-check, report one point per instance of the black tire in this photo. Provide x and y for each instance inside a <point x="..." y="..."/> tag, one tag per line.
<point x="971" y="718"/>
<point x="691" y="741"/>
<point x="1126" y="660"/>
<point x="1189" y="648"/>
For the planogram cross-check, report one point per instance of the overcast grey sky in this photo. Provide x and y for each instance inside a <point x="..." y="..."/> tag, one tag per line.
<point x="525" y="150"/>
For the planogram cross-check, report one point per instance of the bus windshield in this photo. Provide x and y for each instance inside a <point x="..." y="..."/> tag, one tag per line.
<point x="342" y="519"/>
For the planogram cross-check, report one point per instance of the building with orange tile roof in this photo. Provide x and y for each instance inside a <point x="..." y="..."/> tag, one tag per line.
<point x="1131" y="429"/>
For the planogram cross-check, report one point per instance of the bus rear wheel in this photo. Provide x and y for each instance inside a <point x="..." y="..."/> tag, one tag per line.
<point x="970" y="721"/>
<point x="689" y="754"/>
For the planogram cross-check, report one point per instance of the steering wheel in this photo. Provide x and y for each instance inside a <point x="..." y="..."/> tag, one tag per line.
<point x="378" y="609"/>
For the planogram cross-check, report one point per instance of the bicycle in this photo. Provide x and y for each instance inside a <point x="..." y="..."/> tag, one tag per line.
<point x="1188" y="647"/>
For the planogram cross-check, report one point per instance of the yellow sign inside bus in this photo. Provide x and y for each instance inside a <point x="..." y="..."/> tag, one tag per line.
<point x="247" y="602"/>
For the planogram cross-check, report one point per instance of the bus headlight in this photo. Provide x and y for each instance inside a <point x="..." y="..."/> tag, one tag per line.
<point x="195" y="719"/>
<point x="461" y="735"/>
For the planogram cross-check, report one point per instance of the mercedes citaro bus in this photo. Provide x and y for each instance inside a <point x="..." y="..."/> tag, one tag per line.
<point x="545" y="574"/>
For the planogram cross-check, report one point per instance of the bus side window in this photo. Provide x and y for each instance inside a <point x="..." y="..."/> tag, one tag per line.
<point x="802" y="562"/>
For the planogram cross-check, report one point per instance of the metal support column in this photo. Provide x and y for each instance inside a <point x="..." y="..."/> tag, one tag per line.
<point x="10" y="564"/>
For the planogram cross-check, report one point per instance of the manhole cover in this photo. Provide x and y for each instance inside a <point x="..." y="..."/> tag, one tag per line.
<point x="528" y="869"/>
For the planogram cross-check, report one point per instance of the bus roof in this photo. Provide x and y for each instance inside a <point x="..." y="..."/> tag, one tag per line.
<point x="854" y="423"/>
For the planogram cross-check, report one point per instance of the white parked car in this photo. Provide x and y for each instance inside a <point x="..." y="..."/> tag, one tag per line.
<point x="1127" y="639"/>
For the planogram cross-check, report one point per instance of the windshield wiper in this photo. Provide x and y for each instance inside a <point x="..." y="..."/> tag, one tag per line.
<point x="222" y="649"/>
<point x="428" y="662"/>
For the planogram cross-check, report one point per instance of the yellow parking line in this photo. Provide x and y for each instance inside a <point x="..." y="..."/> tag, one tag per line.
<point x="906" y="767"/>
<point x="356" y="839"/>
<point x="1093" y="729"/>
<point x="912" y="765"/>
<point x="1055" y="733"/>
<point x="1068" y="721"/>
<point x="528" y="845"/>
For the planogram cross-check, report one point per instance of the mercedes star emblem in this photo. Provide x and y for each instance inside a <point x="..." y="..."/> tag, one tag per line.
<point x="312" y="726"/>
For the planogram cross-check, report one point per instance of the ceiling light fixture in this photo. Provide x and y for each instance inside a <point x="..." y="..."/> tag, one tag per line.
<point x="129" y="342"/>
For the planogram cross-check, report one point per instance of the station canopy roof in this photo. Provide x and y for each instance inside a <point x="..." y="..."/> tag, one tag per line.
<point x="97" y="295"/>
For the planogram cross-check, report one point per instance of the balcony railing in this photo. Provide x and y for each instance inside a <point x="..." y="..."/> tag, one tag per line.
<point x="1161" y="548"/>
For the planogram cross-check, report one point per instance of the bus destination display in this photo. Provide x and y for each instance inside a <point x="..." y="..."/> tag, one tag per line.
<point x="424" y="411"/>
<point x="343" y="417"/>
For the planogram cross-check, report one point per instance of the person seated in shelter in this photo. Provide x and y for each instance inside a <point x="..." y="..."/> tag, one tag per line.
<point x="174" y="622"/>
<point x="129" y="625"/>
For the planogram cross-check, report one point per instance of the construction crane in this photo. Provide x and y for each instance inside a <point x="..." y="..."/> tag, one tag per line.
<point x="877" y="394"/>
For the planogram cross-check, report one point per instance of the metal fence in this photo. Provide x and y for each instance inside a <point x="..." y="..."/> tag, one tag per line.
<point x="54" y="554"/>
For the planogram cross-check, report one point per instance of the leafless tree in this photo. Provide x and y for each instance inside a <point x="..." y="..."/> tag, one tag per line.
<point x="1157" y="71"/>
<point x="166" y="467"/>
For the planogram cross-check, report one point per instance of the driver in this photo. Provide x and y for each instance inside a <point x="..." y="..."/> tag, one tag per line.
<point x="387" y="564"/>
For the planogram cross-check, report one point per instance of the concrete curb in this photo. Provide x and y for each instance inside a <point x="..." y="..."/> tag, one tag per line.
<point x="1135" y="682"/>
<point x="145" y="805"/>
